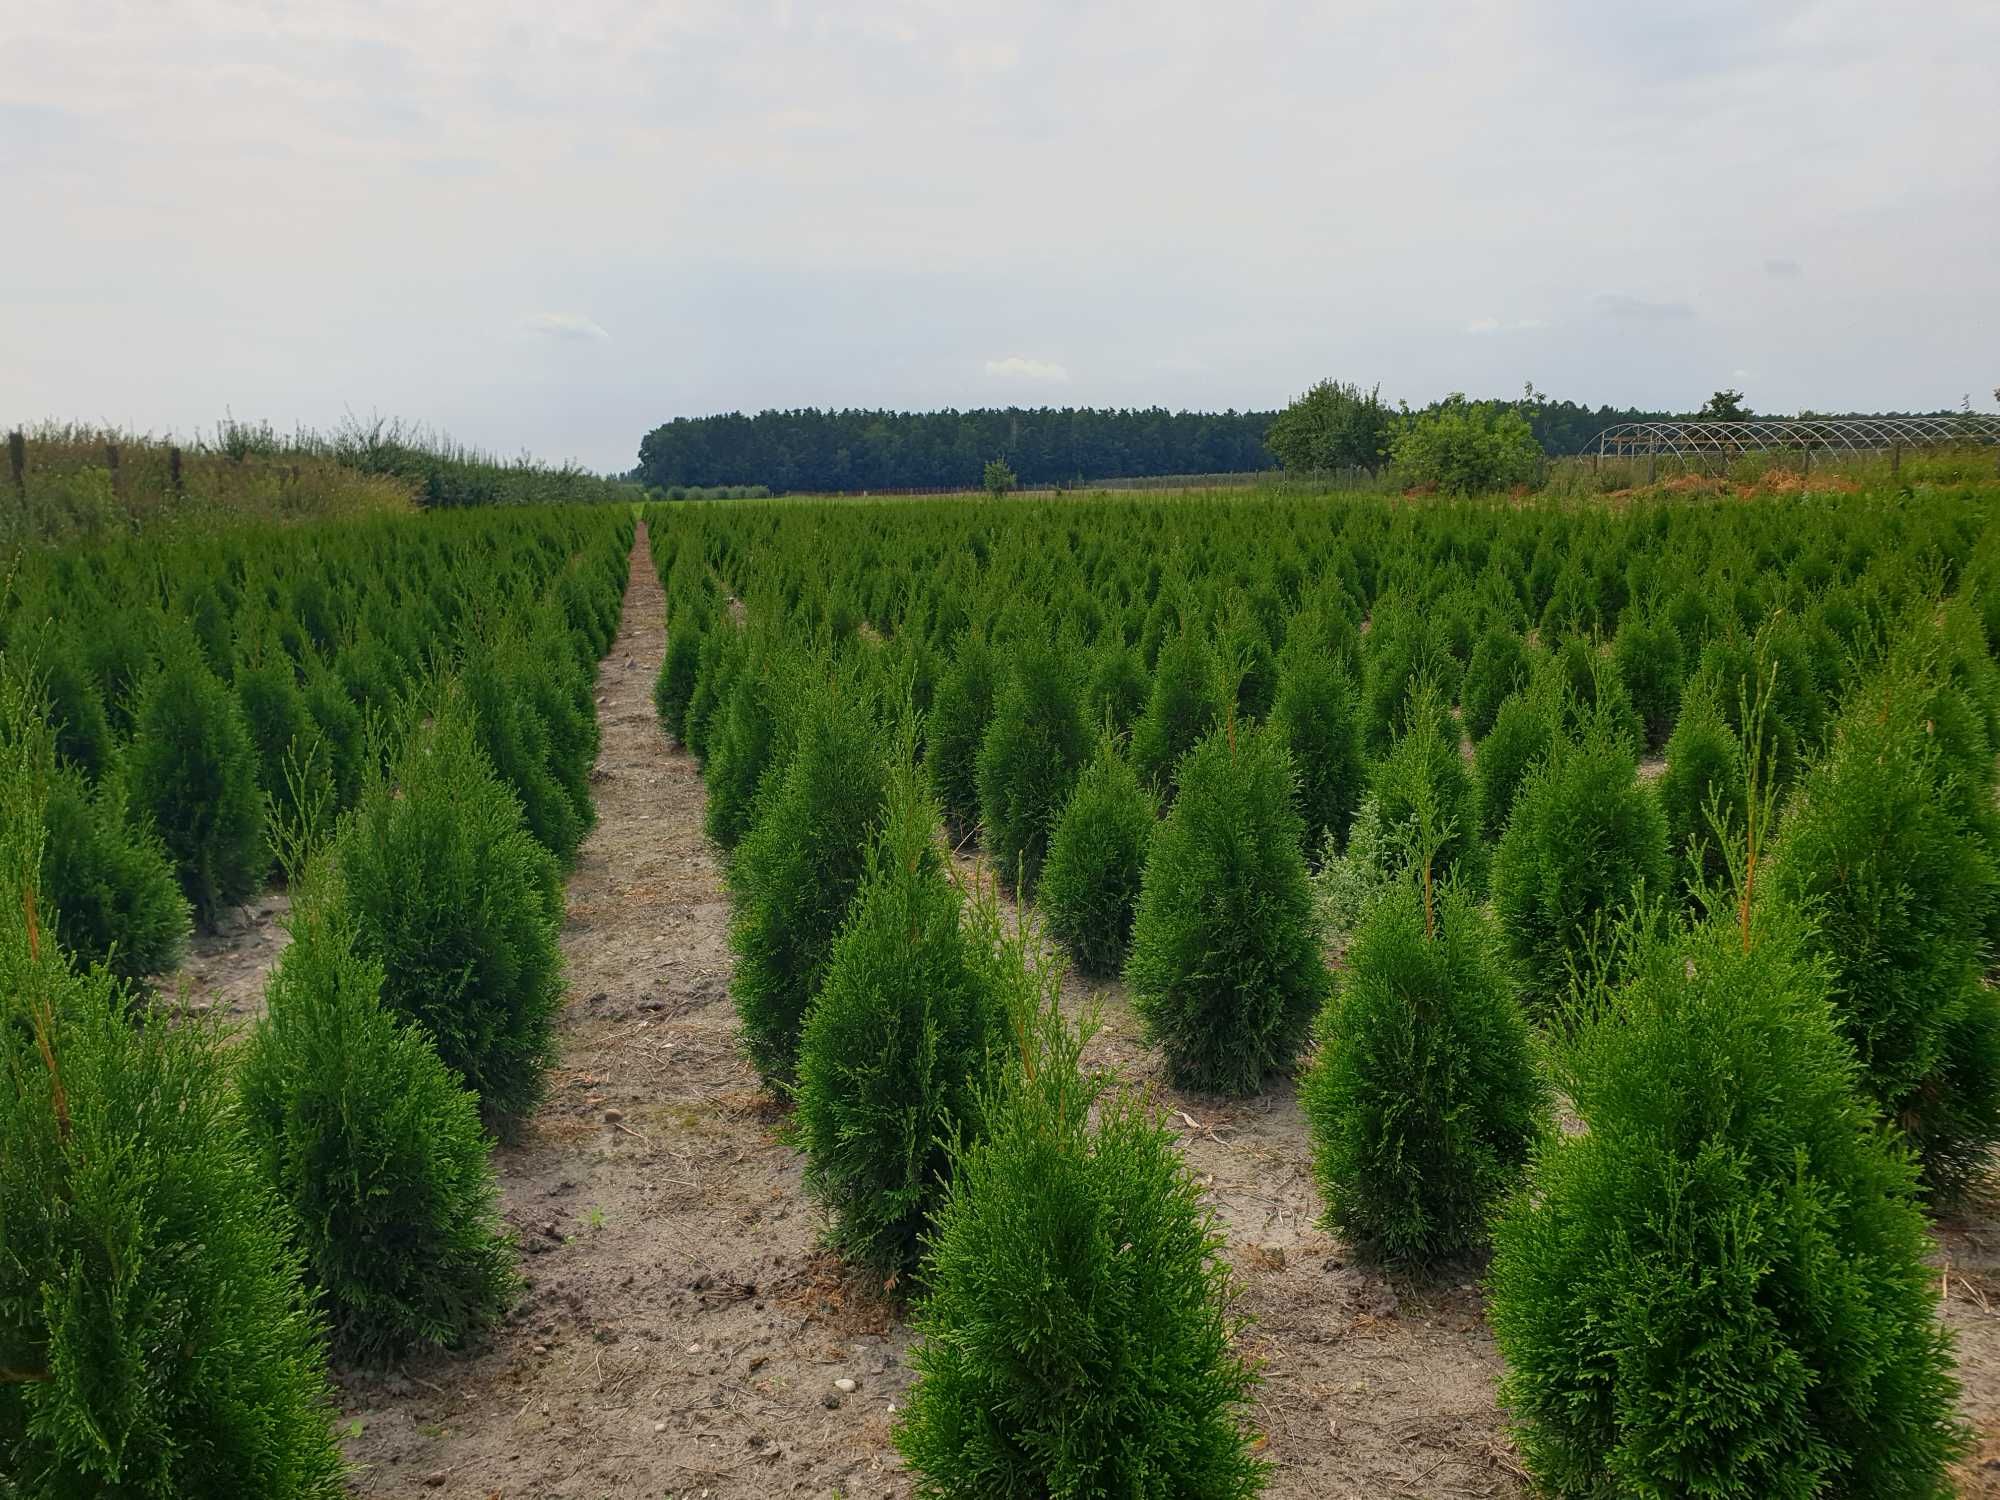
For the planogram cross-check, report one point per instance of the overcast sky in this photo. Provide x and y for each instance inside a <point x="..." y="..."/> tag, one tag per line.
<point x="550" y="227"/>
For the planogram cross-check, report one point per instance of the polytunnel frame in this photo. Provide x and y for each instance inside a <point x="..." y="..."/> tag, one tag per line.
<point x="1702" y="442"/>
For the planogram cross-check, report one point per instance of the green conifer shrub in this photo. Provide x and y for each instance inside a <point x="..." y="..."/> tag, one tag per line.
<point x="1704" y="769"/>
<point x="376" y="1148"/>
<point x="907" y="1026"/>
<point x="460" y="906"/>
<point x="961" y="708"/>
<point x="1318" y="718"/>
<point x="108" y="889"/>
<point x="1425" y="782"/>
<point x="1028" y="762"/>
<point x="1075" y="1333"/>
<point x="714" y="666"/>
<point x="515" y="741"/>
<point x="156" y="1339"/>
<point x="1499" y="668"/>
<point x="1424" y="1099"/>
<point x="1527" y="728"/>
<point x="1595" y="693"/>
<point x="1185" y="703"/>
<point x="1403" y="646"/>
<point x="740" y="751"/>
<point x="1225" y="965"/>
<point x="192" y="770"/>
<point x="341" y="732"/>
<point x="1646" y="654"/>
<point x="673" y="689"/>
<point x="1585" y="847"/>
<point x="1720" y="1288"/>
<point x="1899" y="889"/>
<point x="1118" y="687"/>
<point x="1097" y="861"/>
<point x="795" y="873"/>
<point x="73" y="703"/>
<point x="280" y="724"/>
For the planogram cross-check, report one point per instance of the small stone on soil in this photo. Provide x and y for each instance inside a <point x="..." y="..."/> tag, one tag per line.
<point x="613" y="1116"/>
<point x="845" y="1386"/>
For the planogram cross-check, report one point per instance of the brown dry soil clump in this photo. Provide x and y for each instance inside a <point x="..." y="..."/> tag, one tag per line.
<point x="683" y="1335"/>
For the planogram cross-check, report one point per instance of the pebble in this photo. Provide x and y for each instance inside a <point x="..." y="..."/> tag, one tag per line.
<point x="659" y="1427"/>
<point x="845" y="1386"/>
<point x="613" y="1116"/>
<point x="435" y="1480"/>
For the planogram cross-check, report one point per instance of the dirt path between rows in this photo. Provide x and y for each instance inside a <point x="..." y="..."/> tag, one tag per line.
<point x="682" y="1334"/>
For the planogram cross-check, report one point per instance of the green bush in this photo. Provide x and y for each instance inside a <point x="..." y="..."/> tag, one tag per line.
<point x="1499" y="668"/>
<point x="1075" y="1335"/>
<point x="341" y="732"/>
<point x="280" y="724"/>
<point x="905" y="1030"/>
<point x="1646" y="654"/>
<point x="1405" y="648"/>
<point x="1225" y="964"/>
<point x="1097" y="860"/>
<point x="1586" y="846"/>
<point x="740" y="751"/>
<point x="192" y="770"/>
<point x="514" y="739"/>
<point x="1527" y="728"/>
<point x="1704" y="769"/>
<point x="460" y="906"/>
<point x="1184" y="704"/>
<point x="1318" y="720"/>
<point x="1465" y="447"/>
<point x="961" y="708"/>
<point x="1425" y="781"/>
<point x="1899" y="890"/>
<point x="1118" y="688"/>
<point x="1424" y="1100"/>
<point x="377" y="1150"/>
<point x="155" y="1337"/>
<point x="796" y="872"/>
<point x="1720" y="1287"/>
<point x="1028" y="762"/>
<point x="108" y="888"/>
<point x="673" y="689"/>
<point x="74" y="706"/>
<point x="1595" y="693"/>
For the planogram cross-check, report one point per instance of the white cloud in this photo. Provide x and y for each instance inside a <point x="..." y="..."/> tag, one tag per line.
<point x="1494" y="325"/>
<point x="567" y="326"/>
<point x="1014" y="367"/>
<point x="1483" y="325"/>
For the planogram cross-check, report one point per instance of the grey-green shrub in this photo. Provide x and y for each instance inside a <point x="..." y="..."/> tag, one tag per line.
<point x="1225" y="965"/>
<point x="461" y="907"/>
<point x="795" y="873"/>
<point x="1720" y="1286"/>
<point x="1075" y="1336"/>
<point x="1424" y="1098"/>
<point x="1028" y="762"/>
<point x="376" y="1149"/>
<point x="905" y="1030"/>
<point x="1097" y="861"/>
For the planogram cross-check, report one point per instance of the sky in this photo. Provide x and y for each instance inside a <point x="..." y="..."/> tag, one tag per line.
<point x="549" y="228"/>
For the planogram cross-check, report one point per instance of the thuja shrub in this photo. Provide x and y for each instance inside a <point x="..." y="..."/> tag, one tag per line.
<point x="1425" y="780"/>
<point x="740" y="750"/>
<point x="281" y="726"/>
<point x="1527" y="728"/>
<point x="955" y="727"/>
<point x="460" y="906"/>
<point x="515" y="741"/>
<point x="1499" y="668"/>
<point x="155" y="1336"/>
<point x="1225" y="965"/>
<point x="673" y="688"/>
<point x="1184" y="704"/>
<point x="910" y="1021"/>
<point x="1075" y="1336"/>
<point x="1317" y="716"/>
<point x="1585" y="847"/>
<point x="376" y="1148"/>
<point x="1646" y="654"/>
<point x="795" y="873"/>
<point x="1405" y="646"/>
<point x="1097" y="861"/>
<point x="1595" y="693"/>
<point x="1028" y="762"/>
<point x="1425" y="1098"/>
<point x="1720" y="1287"/>
<point x="73" y="703"/>
<point x="192" y="771"/>
<point x="1702" y="782"/>
<point x="1118" y="688"/>
<point x="108" y="890"/>
<point x="1899" y="889"/>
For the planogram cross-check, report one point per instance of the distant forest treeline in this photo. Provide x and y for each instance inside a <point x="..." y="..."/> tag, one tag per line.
<point x="814" y="450"/>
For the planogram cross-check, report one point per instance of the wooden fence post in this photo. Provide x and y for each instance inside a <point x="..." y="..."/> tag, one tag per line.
<point x="111" y="463"/>
<point x="174" y="470"/>
<point x="17" y="461"/>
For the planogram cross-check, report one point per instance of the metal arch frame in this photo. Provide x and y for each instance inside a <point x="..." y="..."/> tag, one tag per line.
<point x="1702" y="440"/>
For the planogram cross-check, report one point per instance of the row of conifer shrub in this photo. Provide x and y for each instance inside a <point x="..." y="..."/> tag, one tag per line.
<point x="229" y="1215"/>
<point x="1209" y="740"/>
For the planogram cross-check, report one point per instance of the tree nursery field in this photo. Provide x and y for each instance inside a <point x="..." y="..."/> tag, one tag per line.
<point x="1195" y="996"/>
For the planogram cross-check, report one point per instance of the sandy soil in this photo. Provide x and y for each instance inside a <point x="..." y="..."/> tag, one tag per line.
<point x="682" y="1332"/>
